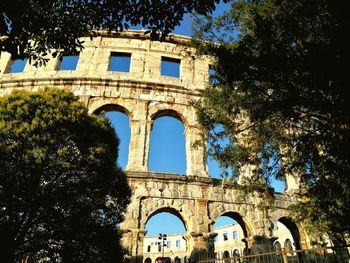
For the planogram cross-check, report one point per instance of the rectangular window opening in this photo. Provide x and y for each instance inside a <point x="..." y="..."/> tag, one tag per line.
<point x="120" y="62"/>
<point x="170" y="67"/>
<point x="168" y="244"/>
<point x="16" y="66"/>
<point x="68" y="62"/>
<point x="235" y="235"/>
<point x="178" y="243"/>
<point x="225" y="236"/>
<point x="148" y="248"/>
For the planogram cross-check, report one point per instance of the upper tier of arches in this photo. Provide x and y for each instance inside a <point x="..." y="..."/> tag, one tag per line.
<point x="142" y="90"/>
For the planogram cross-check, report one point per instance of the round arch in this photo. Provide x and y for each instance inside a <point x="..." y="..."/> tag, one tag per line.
<point x="169" y="113"/>
<point x="169" y="210"/>
<point x="112" y="107"/>
<point x="153" y="206"/>
<point x="226" y="254"/>
<point x="183" y="113"/>
<point x="293" y="228"/>
<point x="247" y="230"/>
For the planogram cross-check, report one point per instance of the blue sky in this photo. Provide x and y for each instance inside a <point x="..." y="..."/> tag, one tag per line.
<point x="167" y="150"/>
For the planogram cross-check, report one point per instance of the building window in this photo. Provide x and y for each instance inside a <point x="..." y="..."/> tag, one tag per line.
<point x="277" y="245"/>
<point x="170" y="67"/>
<point x="216" y="239"/>
<point x="225" y="236"/>
<point x="119" y="61"/>
<point x="68" y="62"/>
<point x="178" y="243"/>
<point x="16" y="66"/>
<point x="168" y="244"/>
<point x="235" y="235"/>
<point x="159" y="248"/>
<point x="148" y="248"/>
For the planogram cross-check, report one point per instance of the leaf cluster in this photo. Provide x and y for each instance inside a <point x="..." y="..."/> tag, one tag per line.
<point x="280" y="86"/>
<point x="33" y="28"/>
<point x="61" y="193"/>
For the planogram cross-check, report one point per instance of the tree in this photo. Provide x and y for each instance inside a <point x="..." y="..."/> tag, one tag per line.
<point x="61" y="193"/>
<point x="33" y="28"/>
<point x="280" y="83"/>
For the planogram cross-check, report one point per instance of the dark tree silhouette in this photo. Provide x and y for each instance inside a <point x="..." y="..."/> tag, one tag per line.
<point x="283" y="66"/>
<point x="61" y="194"/>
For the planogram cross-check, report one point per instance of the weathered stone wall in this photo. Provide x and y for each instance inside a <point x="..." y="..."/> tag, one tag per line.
<point x="144" y="94"/>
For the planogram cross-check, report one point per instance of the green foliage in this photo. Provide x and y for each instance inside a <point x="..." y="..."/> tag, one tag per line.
<point x="61" y="194"/>
<point x="33" y="28"/>
<point x="282" y="66"/>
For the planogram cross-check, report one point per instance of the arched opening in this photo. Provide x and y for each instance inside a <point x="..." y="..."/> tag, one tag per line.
<point x="167" y="144"/>
<point x="226" y="254"/>
<point x="231" y="234"/>
<point x="120" y="122"/>
<point x="163" y="260"/>
<point x="165" y="235"/>
<point x="219" y="164"/>
<point x="277" y="246"/>
<point x="286" y="229"/>
<point x="288" y="245"/>
<point x="177" y="260"/>
<point x="119" y="117"/>
<point x="148" y="260"/>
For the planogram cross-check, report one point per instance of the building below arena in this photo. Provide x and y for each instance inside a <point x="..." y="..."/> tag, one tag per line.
<point x="228" y="241"/>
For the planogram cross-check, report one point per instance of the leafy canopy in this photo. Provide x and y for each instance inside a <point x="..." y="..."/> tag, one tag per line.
<point x="33" y="28"/>
<point x="61" y="194"/>
<point x="280" y="87"/>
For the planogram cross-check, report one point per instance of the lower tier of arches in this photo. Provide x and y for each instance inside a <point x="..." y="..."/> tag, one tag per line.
<point x="199" y="203"/>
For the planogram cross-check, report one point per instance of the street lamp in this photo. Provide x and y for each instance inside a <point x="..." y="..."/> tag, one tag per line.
<point x="162" y="238"/>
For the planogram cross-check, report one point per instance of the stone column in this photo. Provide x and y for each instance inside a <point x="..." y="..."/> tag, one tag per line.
<point x="138" y="152"/>
<point x="195" y="153"/>
<point x="247" y="170"/>
<point x="199" y="238"/>
<point x="4" y="61"/>
<point x="244" y="139"/>
<point x="292" y="177"/>
<point x="292" y="183"/>
<point x="140" y="130"/>
<point x="133" y="240"/>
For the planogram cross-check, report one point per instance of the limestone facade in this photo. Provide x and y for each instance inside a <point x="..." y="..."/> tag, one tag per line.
<point x="144" y="94"/>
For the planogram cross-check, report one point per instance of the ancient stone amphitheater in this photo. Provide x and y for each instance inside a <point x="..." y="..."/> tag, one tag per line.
<point x="144" y="94"/>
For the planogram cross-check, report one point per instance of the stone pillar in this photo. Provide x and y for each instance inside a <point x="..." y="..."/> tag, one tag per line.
<point x="133" y="241"/>
<point x="195" y="153"/>
<point x="199" y="238"/>
<point x="132" y="238"/>
<point x="292" y="183"/>
<point x="138" y="147"/>
<point x="292" y="177"/>
<point x="244" y="139"/>
<point x="5" y="59"/>
<point x="262" y="240"/>
<point x="247" y="170"/>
